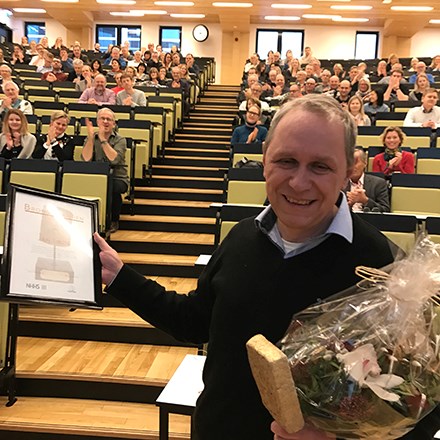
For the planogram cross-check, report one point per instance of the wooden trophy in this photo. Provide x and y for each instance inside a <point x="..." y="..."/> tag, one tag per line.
<point x="271" y="371"/>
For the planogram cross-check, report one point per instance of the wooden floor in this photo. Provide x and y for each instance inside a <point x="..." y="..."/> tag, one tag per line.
<point x="88" y="359"/>
<point x="89" y="417"/>
<point x="163" y="237"/>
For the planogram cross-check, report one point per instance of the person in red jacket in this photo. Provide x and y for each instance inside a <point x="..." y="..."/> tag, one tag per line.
<point x="393" y="159"/>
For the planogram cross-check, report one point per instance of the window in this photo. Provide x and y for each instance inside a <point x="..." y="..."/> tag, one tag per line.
<point x="118" y="35"/>
<point x="279" y="40"/>
<point x="366" y="45"/>
<point x="34" y="31"/>
<point x="170" y="36"/>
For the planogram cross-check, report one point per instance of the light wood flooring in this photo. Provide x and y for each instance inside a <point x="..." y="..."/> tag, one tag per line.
<point x="88" y="417"/>
<point x="125" y="363"/>
<point x="163" y="237"/>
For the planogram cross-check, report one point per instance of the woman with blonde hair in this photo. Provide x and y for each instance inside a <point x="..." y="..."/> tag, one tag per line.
<point x="339" y="71"/>
<point x="355" y="107"/>
<point x="364" y="89"/>
<point x="15" y="140"/>
<point x="435" y="64"/>
<point x="422" y="83"/>
<point x="392" y="59"/>
<point x="393" y="159"/>
<point x="56" y="145"/>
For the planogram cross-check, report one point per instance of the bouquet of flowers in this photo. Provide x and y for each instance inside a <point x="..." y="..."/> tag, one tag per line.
<point x="367" y="365"/>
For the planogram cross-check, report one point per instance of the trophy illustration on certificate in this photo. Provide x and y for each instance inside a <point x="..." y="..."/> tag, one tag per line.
<point x="55" y="231"/>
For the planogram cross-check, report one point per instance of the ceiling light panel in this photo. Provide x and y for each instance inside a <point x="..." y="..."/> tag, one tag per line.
<point x="30" y="10"/>
<point x="289" y="6"/>
<point x="148" y="12"/>
<point x="187" y="15"/>
<point x="166" y="3"/>
<point x="351" y="20"/>
<point x="351" y="7"/>
<point x="117" y="2"/>
<point x="321" y="16"/>
<point x="412" y="8"/>
<point x="282" y="18"/>
<point x="232" y="5"/>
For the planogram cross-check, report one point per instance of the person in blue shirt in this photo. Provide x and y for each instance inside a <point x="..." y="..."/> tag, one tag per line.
<point x="420" y="68"/>
<point x="115" y="54"/>
<point x="252" y="130"/>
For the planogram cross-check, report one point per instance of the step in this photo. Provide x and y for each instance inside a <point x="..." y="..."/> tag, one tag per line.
<point x="212" y="131"/>
<point x="186" y="208"/>
<point x="204" y="136"/>
<point x="95" y="369"/>
<point x="162" y="170"/>
<point x="196" y="161"/>
<point x="170" y="243"/>
<point x="111" y="324"/>
<point x="168" y="224"/>
<point x="206" y="125"/>
<point x="41" y="418"/>
<point x="198" y="152"/>
<point x="163" y="264"/>
<point x="180" y="193"/>
<point x="207" y="117"/>
<point x="226" y="144"/>
<point x="186" y="182"/>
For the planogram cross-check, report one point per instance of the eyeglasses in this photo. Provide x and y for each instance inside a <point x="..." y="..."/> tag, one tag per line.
<point x="253" y="113"/>
<point x="105" y="119"/>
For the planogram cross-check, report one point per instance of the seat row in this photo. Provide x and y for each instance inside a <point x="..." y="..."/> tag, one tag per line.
<point x="401" y="229"/>
<point x="416" y="194"/>
<point x="89" y="180"/>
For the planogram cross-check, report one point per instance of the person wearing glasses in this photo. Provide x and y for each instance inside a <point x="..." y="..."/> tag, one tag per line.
<point x="252" y="130"/>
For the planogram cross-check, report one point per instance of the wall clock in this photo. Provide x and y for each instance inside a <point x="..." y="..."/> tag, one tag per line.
<point x="200" y="33"/>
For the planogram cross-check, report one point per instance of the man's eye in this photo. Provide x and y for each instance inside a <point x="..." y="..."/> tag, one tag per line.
<point x="321" y="167"/>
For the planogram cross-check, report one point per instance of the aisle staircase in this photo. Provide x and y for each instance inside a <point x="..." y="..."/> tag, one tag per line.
<point x="84" y="374"/>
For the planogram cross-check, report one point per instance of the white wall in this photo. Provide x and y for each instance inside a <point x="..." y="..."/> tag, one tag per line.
<point x="54" y="29"/>
<point x="6" y="17"/>
<point x="425" y="43"/>
<point x="326" y="41"/>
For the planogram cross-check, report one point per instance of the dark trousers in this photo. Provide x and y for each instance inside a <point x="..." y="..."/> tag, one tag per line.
<point x="119" y="188"/>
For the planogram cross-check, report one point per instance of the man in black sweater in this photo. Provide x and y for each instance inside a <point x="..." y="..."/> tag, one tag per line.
<point x="303" y="248"/>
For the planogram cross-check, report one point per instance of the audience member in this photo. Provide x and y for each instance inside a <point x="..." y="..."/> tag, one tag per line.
<point x="56" y="145"/>
<point x="56" y="74"/>
<point x="421" y="84"/>
<point x="310" y="86"/>
<point x="107" y="146"/>
<point x="254" y="92"/>
<point x="38" y="59"/>
<point x="392" y="59"/>
<point x="55" y="49"/>
<point x="366" y="192"/>
<point x="324" y="84"/>
<point x="386" y="80"/>
<point x="364" y="89"/>
<point x="291" y="69"/>
<point x="98" y="94"/>
<point x="307" y="56"/>
<point x="88" y="80"/>
<point x="344" y="93"/>
<point x="115" y="54"/>
<point x="176" y="82"/>
<point x="381" y="71"/>
<point x="11" y="101"/>
<point x="19" y="56"/>
<point x="76" y="74"/>
<point x="413" y="64"/>
<point x="126" y="55"/>
<point x="5" y="73"/>
<point x="428" y="115"/>
<point x="66" y="62"/>
<point x="435" y="64"/>
<point x="78" y="55"/>
<point x="376" y="104"/>
<point x="97" y="68"/>
<point x="129" y="95"/>
<point x="253" y="62"/>
<point x="15" y="140"/>
<point x="118" y="88"/>
<point x="334" y="82"/>
<point x="339" y="71"/>
<point x="137" y="59"/>
<point x="252" y="130"/>
<point x="142" y="75"/>
<point x="393" y="159"/>
<point x="116" y="68"/>
<point x="396" y="91"/>
<point x="420" y="69"/>
<point x="192" y="66"/>
<point x="355" y="107"/>
<point x="48" y="63"/>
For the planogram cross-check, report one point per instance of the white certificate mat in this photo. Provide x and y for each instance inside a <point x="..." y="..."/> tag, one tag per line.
<point x="50" y="249"/>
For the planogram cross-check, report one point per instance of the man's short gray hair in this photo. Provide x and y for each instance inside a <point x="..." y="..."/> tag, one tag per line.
<point x="106" y="110"/>
<point x="321" y="105"/>
<point x="5" y="66"/>
<point x="77" y="62"/>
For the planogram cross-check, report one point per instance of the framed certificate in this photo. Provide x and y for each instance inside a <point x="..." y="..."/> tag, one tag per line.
<point x="49" y="252"/>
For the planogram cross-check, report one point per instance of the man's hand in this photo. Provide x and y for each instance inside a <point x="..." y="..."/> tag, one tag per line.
<point x="128" y="100"/>
<point x="357" y="196"/>
<point x="251" y="138"/>
<point x="430" y="124"/>
<point x="7" y="102"/>
<point x="307" y="433"/>
<point x="92" y="101"/>
<point x="111" y="263"/>
<point x="51" y="135"/>
<point x="90" y="128"/>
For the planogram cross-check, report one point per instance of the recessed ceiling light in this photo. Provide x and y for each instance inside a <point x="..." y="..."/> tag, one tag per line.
<point x="351" y="7"/>
<point x="387" y="2"/>
<point x="187" y="15"/>
<point x="125" y="14"/>
<point x="282" y="18"/>
<point x="342" y="1"/>
<point x="412" y="8"/>
<point x="350" y="20"/>
<point x="166" y="3"/>
<point x="434" y="21"/>
<point x="149" y="12"/>
<point x="289" y="6"/>
<point x="321" y="16"/>
<point x="60" y="1"/>
<point x="116" y="2"/>
<point x="232" y="5"/>
<point x="30" y="10"/>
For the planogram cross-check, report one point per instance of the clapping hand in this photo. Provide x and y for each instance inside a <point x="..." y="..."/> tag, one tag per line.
<point x="307" y="433"/>
<point x="90" y="128"/>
